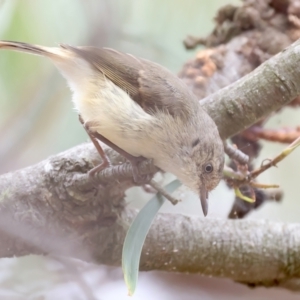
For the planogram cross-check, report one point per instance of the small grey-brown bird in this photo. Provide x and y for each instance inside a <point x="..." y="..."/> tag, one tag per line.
<point x="140" y="109"/>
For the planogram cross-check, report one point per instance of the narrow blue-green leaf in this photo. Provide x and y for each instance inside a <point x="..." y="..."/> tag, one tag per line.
<point x="136" y="236"/>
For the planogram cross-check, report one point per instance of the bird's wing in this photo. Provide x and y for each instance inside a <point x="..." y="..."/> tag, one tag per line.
<point x="152" y="86"/>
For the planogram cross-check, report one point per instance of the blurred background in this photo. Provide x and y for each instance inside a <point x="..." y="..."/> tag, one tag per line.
<point x="37" y="120"/>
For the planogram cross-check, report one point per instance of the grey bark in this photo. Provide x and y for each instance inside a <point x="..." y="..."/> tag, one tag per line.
<point x="271" y="86"/>
<point x="47" y="209"/>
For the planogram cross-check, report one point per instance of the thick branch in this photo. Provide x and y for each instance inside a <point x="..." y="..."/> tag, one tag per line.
<point x="46" y="208"/>
<point x="251" y="251"/>
<point x="270" y="87"/>
<point x="48" y="220"/>
<point x="243" y="38"/>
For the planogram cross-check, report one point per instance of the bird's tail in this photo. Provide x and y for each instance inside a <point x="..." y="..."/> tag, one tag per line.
<point x="72" y="67"/>
<point x="29" y="48"/>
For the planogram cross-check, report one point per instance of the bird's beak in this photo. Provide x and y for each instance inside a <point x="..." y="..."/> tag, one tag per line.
<point x="203" y="199"/>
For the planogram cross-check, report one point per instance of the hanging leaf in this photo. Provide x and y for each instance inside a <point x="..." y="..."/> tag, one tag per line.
<point x="136" y="236"/>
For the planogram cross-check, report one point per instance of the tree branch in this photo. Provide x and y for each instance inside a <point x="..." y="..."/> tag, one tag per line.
<point x="271" y="86"/>
<point x="44" y="217"/>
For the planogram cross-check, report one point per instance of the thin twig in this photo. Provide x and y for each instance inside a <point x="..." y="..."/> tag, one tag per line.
<point x="160" y="189"/>
<point x="277" y="159"/>
<point x="237" y="178"/>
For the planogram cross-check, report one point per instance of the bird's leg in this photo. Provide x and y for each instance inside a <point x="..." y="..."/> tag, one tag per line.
<point x="105" y="160"/>
<point x="135" y="161"/>
<point x="235" y="154"/>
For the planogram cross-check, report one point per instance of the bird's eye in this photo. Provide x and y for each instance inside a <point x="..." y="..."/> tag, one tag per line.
<point x="208" y="168"/>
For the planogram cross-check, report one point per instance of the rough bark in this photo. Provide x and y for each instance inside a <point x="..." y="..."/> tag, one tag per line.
<point x="271" y="86"/>
<point x="51" y="208"/>
<point x="244" y="37"/>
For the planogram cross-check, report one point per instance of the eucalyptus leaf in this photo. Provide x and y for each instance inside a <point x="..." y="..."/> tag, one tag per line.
<point x="136" y="236"/>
